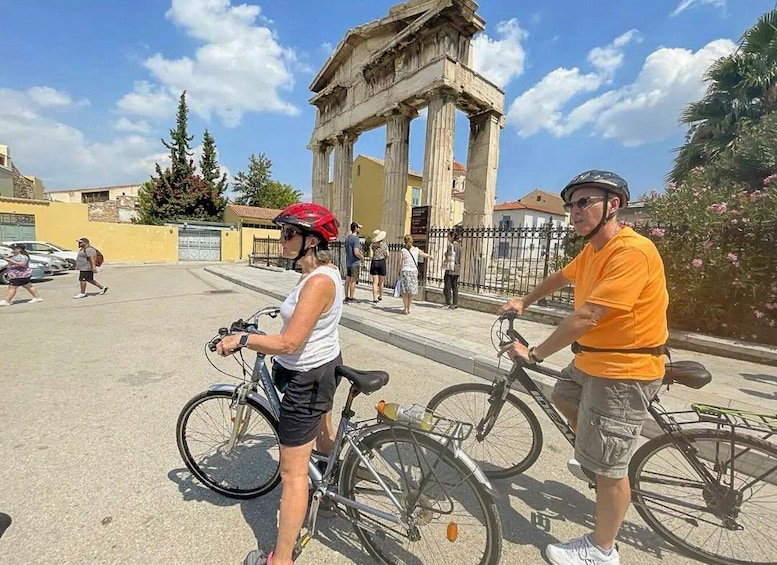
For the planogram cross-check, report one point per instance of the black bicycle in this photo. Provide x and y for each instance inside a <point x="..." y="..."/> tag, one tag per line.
<point x="707" y="484"/>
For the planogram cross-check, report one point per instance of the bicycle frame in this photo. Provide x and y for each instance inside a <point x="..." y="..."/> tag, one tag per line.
<point x="348" y="434"/>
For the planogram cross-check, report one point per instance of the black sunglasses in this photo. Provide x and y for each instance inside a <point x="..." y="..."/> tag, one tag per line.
<point x="288" y="233"/>
<point x="583" y="202"/>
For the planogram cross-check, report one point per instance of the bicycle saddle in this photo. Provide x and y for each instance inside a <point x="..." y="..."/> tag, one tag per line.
<point x="689" y="373"/>
<point x="363" y="381"/>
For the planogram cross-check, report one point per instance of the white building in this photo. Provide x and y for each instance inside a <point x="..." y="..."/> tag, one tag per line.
<point x="534" y="214"/>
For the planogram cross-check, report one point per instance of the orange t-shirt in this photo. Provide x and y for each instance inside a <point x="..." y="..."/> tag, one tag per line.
<point x="626" y="275"/>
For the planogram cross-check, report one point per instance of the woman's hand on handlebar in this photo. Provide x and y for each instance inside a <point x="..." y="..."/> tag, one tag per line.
<point x="516" y="351"/>
<point x="514" y="305"/>
<point x="228" y="345"/>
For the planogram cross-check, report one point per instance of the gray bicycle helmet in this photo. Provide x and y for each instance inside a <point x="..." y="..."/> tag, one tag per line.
<point x="610" y="182"/>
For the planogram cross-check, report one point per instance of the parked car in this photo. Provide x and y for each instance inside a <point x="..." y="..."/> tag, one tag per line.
<point x="38" y="272"/>
<point x="52" y="264"/>
<point x="48" y="249"/>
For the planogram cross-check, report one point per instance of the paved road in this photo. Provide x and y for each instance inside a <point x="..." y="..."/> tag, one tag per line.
<point x="89" y="470"/>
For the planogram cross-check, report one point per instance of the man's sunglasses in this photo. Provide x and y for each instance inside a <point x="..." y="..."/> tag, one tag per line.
<point x="583" y="203"/>
<point x="289" y="233"/>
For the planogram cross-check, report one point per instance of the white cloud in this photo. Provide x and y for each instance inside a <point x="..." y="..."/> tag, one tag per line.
<point x="46" y="96"/>
<point x="500" y="60"/>
<point x="686" y="4"/>
<point x="609" y="59"/>
<point x="125" y="124"/>
<point x="61" y="155"/>
<point x="541" y="107"/>
<point x="644" y="111"/>
<point x="327" y="48"/>
<point x="649" y="109"/>
<point x="241" y="66"/>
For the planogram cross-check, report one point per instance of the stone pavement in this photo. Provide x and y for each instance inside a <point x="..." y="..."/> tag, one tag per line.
<point x="462" y="339"/>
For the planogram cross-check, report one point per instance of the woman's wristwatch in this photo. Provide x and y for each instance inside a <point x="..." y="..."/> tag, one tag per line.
<point x="533" y="356"/>
<point x="243" y="340"/>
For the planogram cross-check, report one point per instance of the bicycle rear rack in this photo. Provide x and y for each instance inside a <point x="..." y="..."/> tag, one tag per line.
<point x="441" y="427"/>
<point x="758" y="422"/>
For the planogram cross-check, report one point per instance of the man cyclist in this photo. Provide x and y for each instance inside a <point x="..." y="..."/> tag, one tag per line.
<point x="617" y="331"/>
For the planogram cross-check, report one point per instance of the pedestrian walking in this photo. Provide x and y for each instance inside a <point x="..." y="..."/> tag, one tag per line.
<point x="19" y="275"/>
<point x="378" y="254"/>
<point x="353" y="259"/>
<point x="452" y="270"/>
<point x="86" y="264"/>
<point x="408" y="275"/>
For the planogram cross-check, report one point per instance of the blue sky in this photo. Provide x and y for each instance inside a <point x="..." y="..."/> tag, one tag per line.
<point x="88" y="87"/>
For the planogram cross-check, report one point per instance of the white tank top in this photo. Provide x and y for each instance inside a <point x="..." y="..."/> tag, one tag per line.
<point x="323" y="345"/>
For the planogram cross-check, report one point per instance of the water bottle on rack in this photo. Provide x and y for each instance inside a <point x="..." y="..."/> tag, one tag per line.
<point x="415" y="414"/>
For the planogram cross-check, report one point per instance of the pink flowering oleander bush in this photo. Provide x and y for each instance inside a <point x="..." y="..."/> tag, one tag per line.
<point x="718" y="241"/>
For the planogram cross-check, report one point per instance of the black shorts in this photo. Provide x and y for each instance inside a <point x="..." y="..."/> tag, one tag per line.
<point x="309" y="395"/>
<point x="85" y="276"/>
<point x="378" y="267"/>
<point x="353" y="272"/>
<point x="19" y="282"/>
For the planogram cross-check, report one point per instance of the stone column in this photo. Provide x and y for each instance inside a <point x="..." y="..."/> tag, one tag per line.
<point x="482" y="164"/>
<point x="342" y="196"/>
<point x="395" y="208"/>
<point x="320" y="185"/>
<point x="438" y="157"/>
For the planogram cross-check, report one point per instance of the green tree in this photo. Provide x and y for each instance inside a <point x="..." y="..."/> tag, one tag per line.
<point x="742" y="88"/>
<point x="256" y="187"/>
<point x="209" y="166"/>
<point x="178" y="193"/>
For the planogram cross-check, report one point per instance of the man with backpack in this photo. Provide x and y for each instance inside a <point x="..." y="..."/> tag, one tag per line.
<point x="87" y="261"/>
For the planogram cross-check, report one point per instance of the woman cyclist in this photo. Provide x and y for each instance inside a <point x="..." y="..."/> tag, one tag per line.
<point x="306" y="353"/>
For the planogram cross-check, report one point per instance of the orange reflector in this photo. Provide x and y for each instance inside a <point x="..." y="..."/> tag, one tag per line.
<point x="452" y="532"/>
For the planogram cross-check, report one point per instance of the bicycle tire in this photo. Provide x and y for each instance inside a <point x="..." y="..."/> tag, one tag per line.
<point x="750" y="545"/>
<point x="258" y="451"/>
<point x="436" y="503"/>
<point x="496" y="452"/>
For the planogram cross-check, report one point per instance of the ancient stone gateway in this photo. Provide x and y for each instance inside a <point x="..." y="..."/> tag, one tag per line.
<point x="383" y="73"/>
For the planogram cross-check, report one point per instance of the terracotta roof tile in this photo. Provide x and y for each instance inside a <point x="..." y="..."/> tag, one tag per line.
<point x="253" y="212"/>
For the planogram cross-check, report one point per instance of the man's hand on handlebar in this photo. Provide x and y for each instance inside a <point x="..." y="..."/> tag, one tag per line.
<point x="515" y="351"/>
<point x="514" y="305"/>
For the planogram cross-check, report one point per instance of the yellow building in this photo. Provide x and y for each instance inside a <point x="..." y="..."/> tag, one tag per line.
<point x="367" y="182"/>
<point x="94" y="194"/>
<point x="13" y="184"/>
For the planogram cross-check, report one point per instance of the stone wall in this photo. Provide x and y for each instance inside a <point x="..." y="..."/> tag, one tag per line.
<point x="121" y="210"/>
<point x="22" y="187"/>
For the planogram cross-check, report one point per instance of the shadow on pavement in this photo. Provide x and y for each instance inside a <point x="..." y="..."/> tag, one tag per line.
<point x="5" y="522"/>
<point x="554" y="501"/>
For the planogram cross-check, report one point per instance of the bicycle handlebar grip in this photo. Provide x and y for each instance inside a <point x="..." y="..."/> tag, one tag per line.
<point x="215" y="341"/>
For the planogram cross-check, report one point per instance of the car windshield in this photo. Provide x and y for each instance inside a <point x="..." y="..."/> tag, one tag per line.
<point x="57" y="247"/>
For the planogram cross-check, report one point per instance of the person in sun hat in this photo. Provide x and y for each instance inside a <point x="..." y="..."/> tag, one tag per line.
<point x="378" y="255"/>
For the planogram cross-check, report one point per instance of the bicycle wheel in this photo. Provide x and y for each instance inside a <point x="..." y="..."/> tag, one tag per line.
<point x="452" y="518"/>
<point x="251" y="467"/>
<point x="730" y="521"/>
<point x="513" y="443"/>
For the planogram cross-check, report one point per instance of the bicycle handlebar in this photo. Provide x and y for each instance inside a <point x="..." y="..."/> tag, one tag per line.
<point x="244" y="326"/>
<point x="511" y="332"/>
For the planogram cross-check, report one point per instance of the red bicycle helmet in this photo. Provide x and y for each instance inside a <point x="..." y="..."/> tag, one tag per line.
<point x="310" y="218"/>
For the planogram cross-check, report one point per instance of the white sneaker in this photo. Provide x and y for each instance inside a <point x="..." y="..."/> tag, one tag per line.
<point x="36" y="300"/>
<point x="580" y="551"/>
<point x="3" y="303"/>
<point x="80" y="295"/>
<point x="574" y="467"/>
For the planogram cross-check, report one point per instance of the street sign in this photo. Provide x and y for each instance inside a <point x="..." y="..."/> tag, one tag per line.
<point x="419" y="221"/>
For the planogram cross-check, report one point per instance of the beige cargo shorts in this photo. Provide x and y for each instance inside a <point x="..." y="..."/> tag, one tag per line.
<point x="609" y="420"/>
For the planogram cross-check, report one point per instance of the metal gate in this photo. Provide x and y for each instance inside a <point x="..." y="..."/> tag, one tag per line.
<point x="17" y="227"/>
<point x="199" y="244"/>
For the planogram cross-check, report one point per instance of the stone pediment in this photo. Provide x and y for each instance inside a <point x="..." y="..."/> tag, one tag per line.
<point x="368" y="45"/>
